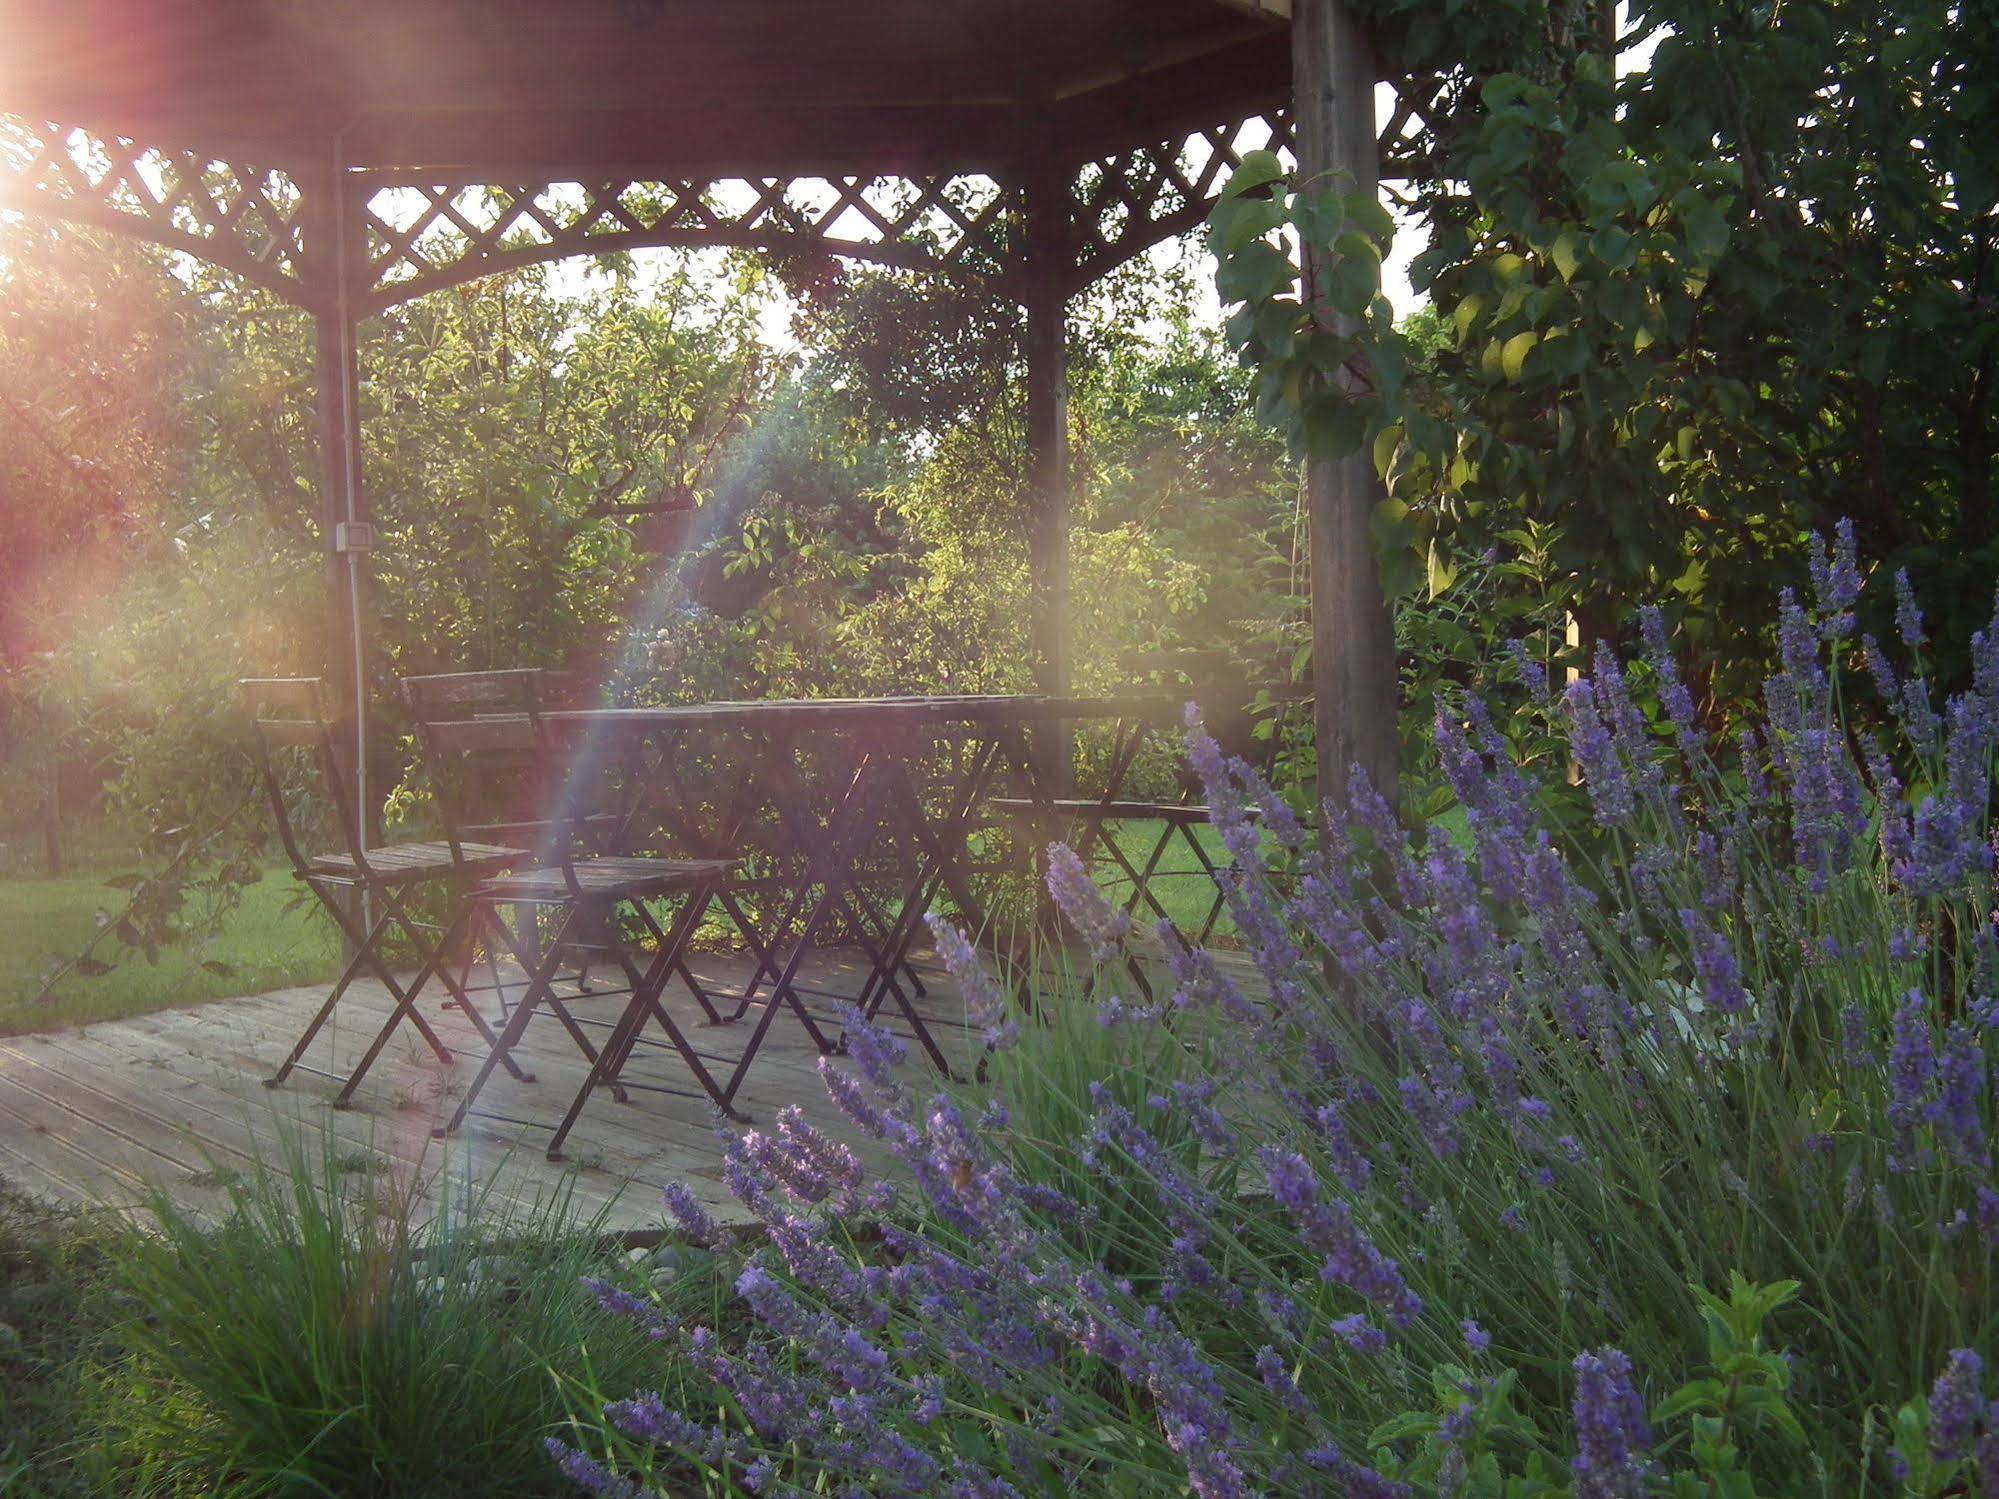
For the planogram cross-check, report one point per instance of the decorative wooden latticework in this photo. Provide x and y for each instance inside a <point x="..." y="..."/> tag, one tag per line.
<point x="241" y="218"/>
<point x="422" y="237"/>
<point x="1122" y="205"/>
<point x="422" y="234"/>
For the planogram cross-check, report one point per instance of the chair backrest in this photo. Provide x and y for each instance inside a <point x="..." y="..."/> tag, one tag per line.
<point x="289" y="714"/>
<point x="482" y="745"/>
<point x="504" y="774"/>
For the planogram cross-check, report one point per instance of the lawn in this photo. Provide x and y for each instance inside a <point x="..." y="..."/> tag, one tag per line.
<point x="261" y="946"/>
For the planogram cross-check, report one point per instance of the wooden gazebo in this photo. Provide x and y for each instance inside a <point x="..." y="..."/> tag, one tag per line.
<point x="350" y="154"/>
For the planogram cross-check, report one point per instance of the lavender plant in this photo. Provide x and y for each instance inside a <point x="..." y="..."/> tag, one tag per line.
<point x="1656" y="1161"/>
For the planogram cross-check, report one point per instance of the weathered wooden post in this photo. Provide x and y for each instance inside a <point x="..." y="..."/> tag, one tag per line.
<point x="1353" y="634"/>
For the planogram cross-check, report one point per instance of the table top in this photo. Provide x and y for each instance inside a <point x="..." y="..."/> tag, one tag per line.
<point x="829" y="712"/>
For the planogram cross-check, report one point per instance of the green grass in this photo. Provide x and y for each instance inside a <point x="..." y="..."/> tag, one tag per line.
<point x="42" y="921"/>
<point x="1179" y="883"/>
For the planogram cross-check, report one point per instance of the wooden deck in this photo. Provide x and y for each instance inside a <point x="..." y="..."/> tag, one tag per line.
<point x="100" y="1115"/>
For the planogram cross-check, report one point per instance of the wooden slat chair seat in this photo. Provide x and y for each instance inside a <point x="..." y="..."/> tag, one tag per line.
<point x="569" y="899"/>
<point x="289" y="715"/>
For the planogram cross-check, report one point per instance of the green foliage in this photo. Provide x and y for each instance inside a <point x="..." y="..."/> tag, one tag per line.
<point x="1689" y="308"/>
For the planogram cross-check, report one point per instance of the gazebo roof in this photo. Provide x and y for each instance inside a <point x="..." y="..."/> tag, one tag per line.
<point x="495" y="88"/>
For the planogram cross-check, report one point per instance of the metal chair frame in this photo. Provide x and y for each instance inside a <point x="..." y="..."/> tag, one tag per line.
<point x="289" y="713"/>
<point x="584" y="890"/>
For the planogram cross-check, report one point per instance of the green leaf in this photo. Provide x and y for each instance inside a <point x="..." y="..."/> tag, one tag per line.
<point x="1566" y="253"/>
<point x="1256" y="272"/>
<point x="1366" y="211"/>
<point x="1258" y="169"/>
<point x="1335" y="426"/>
<point x="1513" y="357"/>
<point x="1386" y="441"/>
<point x="1320" y="217"/>
<point x="1401" y="1428"/>
<point x="1442" y="572"/>
<point x="1237" y="221"/>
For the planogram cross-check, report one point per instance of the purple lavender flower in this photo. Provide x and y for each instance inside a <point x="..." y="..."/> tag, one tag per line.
<point x="1533" y="675"/>
<point x="1101" y="925"/>
<point x="1957" y="1407"/>
<point x="1351" y="1258"/>
<point x="1673" y="694"/>
<point x="1349" y="1162"/>
<point x="1359" y="1333"/>
<point x="1714" y="965"/>
<point x="1355" y="1481"/>
<point x="1959" y="1119"/>
<point x="590" y="1476"/>
<point x="1591" y="743"/>
<point x="689" y="1213"/>
<point x="985" y="1006"/>
<point x="1908" y="617"/>
<point x="1835" y="581"/>
<point x="1804" y="675"/>
<point x="1855" y="1047"/>
<point x="1611" y="1435"/>
<point x="1477" y="1339"/>
<point x="1911" y="1075"/>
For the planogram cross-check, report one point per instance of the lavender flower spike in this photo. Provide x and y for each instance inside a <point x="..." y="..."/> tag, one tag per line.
<point x="1957" y="1406"/>
<point x="1611" y="1435"/>
<point x="1100" y="924"/>
<point x="985" y="1006"/>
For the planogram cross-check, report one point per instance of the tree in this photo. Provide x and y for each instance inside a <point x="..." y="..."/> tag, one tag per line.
<point x="1698" y="308"/>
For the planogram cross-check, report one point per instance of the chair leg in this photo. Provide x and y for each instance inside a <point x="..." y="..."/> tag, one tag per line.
<point x="540" y="982"/>
<point x="347" y="976"/>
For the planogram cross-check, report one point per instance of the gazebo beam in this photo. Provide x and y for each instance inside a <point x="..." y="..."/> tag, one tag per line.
<point x="1353" y="634"/>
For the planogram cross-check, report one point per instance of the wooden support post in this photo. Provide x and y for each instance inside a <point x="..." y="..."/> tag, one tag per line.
<point x="1045" y="277"/>
<point x="1353" y="634"/>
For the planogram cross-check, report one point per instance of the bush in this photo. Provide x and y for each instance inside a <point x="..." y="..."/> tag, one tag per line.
<point x="1648" y="1157"/>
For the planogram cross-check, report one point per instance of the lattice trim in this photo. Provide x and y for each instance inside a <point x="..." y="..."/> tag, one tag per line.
<point x="421" y="238"/>
<point x="242" y="218"/>
<point x="1124" y="204"/>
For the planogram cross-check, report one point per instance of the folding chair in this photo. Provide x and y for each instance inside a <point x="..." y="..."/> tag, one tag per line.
<point x="1229" y="719"/>
<point x="367" y="891"/>
<point x="571" y="901"/>
<point x="500" y="801"/>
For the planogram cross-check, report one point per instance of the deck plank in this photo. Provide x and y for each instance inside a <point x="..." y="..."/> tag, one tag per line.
<point x="103" y="1114"/>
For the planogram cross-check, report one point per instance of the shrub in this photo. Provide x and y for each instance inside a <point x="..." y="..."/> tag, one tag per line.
<point x="1650" y="1157"/>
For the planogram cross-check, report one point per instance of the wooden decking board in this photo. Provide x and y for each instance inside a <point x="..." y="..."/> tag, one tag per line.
<point x="101" y="1114"/>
